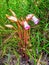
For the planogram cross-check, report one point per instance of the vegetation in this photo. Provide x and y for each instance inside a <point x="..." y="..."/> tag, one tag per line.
<point x="39" y="34"/>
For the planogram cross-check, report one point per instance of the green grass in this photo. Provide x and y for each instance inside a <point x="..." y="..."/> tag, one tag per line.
<point x="39" y="33"/>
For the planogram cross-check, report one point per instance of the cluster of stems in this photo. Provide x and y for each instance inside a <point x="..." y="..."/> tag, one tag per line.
<point x="23" y="30"/>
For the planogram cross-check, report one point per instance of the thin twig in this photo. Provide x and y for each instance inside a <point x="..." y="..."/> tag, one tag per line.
<point x="38" y="63"/>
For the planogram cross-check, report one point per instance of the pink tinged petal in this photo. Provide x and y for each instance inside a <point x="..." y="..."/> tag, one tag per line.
<point x="12" y="18"/>
<point x="29" y="16"/>
<point x="35" y="20"/>
<point x="26" y="26"/>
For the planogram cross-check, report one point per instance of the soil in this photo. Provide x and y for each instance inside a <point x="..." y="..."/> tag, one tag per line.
<point x="12" y="60"/>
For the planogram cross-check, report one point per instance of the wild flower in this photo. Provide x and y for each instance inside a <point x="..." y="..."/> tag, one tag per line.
<point x="23" y="31"/>
<point x="26" y="25"/>
<point x="33" y="18"/>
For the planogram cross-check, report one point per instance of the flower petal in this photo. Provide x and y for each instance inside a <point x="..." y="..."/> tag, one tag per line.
<point x="26" y="25"/>
<point x="29" y="16"/>
<point x="35" y="20"/>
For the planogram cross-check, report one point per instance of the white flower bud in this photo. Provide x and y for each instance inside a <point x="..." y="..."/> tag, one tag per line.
<point x="12" y="18"/>
<point x="9" y="26"/>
